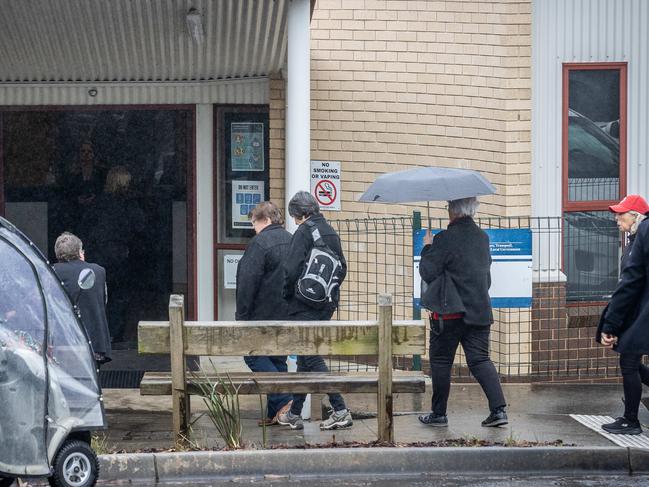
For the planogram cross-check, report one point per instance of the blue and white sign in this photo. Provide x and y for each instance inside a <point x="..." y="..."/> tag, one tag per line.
<point x="511" y="268"/>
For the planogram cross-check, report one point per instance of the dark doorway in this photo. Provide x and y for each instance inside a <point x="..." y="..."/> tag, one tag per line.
<point x="120" y="179"/>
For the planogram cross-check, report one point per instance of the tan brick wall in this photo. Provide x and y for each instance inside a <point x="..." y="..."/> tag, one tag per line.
<point x="397" y="84"/>
<point x="277" y="118"/>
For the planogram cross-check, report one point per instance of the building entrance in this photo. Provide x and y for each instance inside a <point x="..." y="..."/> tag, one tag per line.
<point x="120" y="180"/>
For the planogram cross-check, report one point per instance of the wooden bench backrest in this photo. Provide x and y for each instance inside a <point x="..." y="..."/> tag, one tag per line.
<point x="236" y="338"/>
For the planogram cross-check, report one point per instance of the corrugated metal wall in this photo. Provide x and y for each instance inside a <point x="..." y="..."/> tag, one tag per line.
<point x="569" y="31"/>
<point x="139" y="40"/>
<point x="246" y="91"/>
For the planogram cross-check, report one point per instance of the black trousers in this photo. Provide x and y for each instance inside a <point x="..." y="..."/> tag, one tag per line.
<point x="475" y="342"/>
<point x="634" y="374"/>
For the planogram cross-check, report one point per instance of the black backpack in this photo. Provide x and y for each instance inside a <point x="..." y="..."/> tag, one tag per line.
<point x="321" y="274"/>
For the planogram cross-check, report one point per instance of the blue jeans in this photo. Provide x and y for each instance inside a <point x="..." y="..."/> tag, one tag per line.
<point x="274" y="402"/>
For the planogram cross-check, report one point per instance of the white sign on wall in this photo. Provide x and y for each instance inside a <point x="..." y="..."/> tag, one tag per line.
<point x="230" y="264"/>
<point x="325" y="184"/>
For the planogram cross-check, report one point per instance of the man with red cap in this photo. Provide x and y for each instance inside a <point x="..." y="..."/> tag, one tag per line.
<point x="624" y="326"/>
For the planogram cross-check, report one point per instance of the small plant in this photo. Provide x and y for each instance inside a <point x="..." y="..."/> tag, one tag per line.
<point x="99" y="443"/>
<point x="512" y="439"/>
<point x="222" y="400"/>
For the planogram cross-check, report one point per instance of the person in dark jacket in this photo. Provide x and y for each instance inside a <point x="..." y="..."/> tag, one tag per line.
<point x="303" y="207"/>
<point x="623" y="326"/>
<point x="115" y="227"/>
<point x="91" y="302"/>
<point x="456" y="267"/>
<point x="260" y="277"/>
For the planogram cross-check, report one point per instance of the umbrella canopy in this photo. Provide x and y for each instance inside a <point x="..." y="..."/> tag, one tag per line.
<point x="427" y="184"/>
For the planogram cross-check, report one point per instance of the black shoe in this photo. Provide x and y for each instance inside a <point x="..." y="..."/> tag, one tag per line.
<point x="432" y="419"/>
<point x="498" y="417"/>
<point x="623" y="426"/>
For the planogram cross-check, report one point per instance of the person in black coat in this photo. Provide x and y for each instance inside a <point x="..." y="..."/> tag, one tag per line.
<point x="624" y="325"/>
<point x="260" y="277"/>
<point x="303" y="207"/>
<point x="91" y="302"/>
<point x="456" y="267"/>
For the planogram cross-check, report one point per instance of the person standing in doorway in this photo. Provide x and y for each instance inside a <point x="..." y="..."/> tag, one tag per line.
<point x="260" y="277"/>
<point x="91" y="302"/>
<point x="115" y="228"/>
<point x="456" y="266"/>
<point x="623" y="326"/>
<point x="305" y="211"/>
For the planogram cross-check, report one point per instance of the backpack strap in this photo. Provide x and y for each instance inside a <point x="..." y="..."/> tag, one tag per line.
<point x="315" y="233"/>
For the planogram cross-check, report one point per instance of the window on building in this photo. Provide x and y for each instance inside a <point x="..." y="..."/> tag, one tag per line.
<point x="594" y="176"/>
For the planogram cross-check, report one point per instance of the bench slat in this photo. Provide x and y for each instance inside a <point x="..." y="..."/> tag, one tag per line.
<point x="159" y="383"/>
<point x="225" y="338"/>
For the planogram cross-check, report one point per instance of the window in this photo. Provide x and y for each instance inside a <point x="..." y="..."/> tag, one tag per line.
<point x="594" y="176"/>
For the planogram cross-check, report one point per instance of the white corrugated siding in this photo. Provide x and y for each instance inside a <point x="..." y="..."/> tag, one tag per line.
<point x="568" y="31"/>
<point x="242" y="91"/>
<point x="139" y="40"/>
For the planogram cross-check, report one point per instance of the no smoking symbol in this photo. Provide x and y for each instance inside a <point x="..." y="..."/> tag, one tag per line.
<point x="325" y="192"/>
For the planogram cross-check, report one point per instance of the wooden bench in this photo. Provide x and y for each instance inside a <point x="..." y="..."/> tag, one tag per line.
<point x="382" y="338"/>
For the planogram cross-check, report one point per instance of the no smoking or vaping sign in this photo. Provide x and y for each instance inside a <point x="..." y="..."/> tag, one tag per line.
<point x="325" y="184"/>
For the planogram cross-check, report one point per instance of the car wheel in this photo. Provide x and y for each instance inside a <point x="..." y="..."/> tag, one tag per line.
<point x="75" y="465"/>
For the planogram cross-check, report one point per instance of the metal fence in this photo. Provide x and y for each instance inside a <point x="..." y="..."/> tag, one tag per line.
<point x="575" y="263"/>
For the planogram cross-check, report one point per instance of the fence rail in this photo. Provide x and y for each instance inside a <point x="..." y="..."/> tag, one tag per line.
<point x="575" y="261"/>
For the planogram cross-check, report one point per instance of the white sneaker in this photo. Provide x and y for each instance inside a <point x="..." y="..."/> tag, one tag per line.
<point x="337" y="420"/>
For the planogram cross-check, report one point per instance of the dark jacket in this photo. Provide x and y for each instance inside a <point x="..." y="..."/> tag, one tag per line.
<point x="260" y="276"/>
<point x="91" y="302"/>
<point x="301" y="245"/>
<point x="632" y="293"/>
<point x="624" y="260"/>
<point x="456" y="267"/>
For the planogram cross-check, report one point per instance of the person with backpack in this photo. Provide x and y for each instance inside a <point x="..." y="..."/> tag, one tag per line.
<point x="314" y="269"/>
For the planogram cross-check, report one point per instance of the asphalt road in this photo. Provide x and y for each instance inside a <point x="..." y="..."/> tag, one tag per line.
<point x="605" y="481"/>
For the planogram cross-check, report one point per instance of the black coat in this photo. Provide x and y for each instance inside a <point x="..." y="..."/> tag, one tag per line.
<point x="91" y="302"/>
<point x="260" y="276"/>
<point x="301" y="245"/>
<point x="456" y="267"/>
<point x="632" y="296"/>
<point x="624" y="260"/>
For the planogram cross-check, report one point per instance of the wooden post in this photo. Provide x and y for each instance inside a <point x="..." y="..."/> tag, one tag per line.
<point x="180" y="398"/>
<point x="384" y="400"/>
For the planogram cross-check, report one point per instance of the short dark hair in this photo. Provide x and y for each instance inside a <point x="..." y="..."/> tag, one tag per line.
<point x="267" y="209"/>
<point x="303" y="205"/>
<point x="68" y="247"/>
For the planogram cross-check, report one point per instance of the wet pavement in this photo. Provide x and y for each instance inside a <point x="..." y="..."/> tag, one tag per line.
<point x="537" y="413"/>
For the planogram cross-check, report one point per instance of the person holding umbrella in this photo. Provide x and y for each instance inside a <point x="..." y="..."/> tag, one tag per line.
<point x="456" y="266"/>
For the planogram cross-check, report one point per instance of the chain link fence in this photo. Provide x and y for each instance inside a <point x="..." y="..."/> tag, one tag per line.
<point x="575" y="269"/>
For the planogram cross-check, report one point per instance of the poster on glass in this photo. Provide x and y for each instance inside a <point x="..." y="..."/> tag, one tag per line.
<point x="245" y="196"/>
<point x="247" y="146"/>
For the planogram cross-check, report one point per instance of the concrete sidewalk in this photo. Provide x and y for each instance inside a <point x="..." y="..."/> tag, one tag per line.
<point x="537" y="413"/>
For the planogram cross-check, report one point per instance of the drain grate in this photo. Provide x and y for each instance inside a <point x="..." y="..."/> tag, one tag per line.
<point x="120" y="379"/>
<point x="595" y="423"/>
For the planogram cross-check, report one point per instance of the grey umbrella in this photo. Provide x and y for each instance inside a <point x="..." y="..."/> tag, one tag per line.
<point x="427" y="184"/>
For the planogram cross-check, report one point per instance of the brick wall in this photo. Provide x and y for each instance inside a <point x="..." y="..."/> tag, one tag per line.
<point x="563" y="344"/>
<point x="403" y="83"/>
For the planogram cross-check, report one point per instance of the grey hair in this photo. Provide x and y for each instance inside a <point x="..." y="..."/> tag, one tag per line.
<point x="303" y="205"/>
<point x="68" y="247"/>
<point x="638" y="217"/>
<point x="463" y="207"/>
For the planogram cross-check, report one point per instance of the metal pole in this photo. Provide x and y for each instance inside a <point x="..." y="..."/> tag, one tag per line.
<point x="298" y="102"/>
<point x="416" y="310"/>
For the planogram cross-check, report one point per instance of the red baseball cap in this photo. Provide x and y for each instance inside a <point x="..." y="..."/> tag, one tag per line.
<point x="632" y="202"/>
